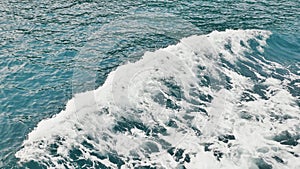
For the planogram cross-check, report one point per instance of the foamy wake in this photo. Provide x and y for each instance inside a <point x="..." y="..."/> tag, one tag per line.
<point x="208" y="102"/>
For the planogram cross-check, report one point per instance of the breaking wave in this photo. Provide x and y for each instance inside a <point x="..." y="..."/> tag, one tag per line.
<point x="210" y="101"/>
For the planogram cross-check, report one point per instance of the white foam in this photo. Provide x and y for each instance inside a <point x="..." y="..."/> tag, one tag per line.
<point x="130" y="92"/>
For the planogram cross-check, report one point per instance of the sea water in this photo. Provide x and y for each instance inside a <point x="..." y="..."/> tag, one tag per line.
<point x="150" y="84"/>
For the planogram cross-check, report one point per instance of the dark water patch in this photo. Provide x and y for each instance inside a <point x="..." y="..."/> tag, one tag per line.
<point x="286" y="138"/>
<point x="172" y="105"/>
<point x="98" y="155"/>
<point x="204" y="81"/>
<point x="279" y="160"/>
<point x="78" y="159"/>
<point x="160" y="98"/>
<point x="134" y="156"/>
<point x="243" y="69"/>
<point x="261" y="91"/>
<point x="276" y="75"/>
<point x="196" y="131"/>
<point x="261" y="164"/>
<point x="181" y="166"/>
<point x="195" y="101"/>
<point x="174" y="89"/>
<point x="293" y="88"/>
<point x="228" y="84"/>
<point x="172" y="123"/>
<point x="226" y="138"/>
<point x="200" y="67"/>
<point x="226" y="63"/>
<point x="87" y="145"/>
<point x="114" y="158"/>
<point x="164" y="144"/>
<point x="75" y="154"/>
<point x="62" y="162"/>
<point x="218" y="154"/>
<point x="145" y="167"/>
<point x="177" y="153"/>
<point x="246" y="115"/>
<point x="34" y="164"/>
<point x="84" y="163"/>
<point x="194" y="93"/>
<point x="104" y="137"/>
<point x="188" y="117"/>
<point x="280" y="118"/>
<point x="283" y="72"/>
<point x="253" y="65"/>
<point x="197" y="109"/>
<point x="294" y="154"/>
<point x="187" y="158"/>
<point x="247" y="96"/>
<point x="228" y="46"/>
<point x="100" y="165"/>
<point x="150" y="147"/>
<point x="263" y="150"/>
<point x="207" y="146"/>
<point x="254" y="44"/>
<point x="205" y="97"/>
<point x="125" y="124"/>
<point x="53" y="149"/>
<point x="155" y="130"/>
<point x="171" y="151"/>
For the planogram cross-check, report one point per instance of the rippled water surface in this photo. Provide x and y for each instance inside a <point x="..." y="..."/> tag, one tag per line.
<point x="52" y="50"/>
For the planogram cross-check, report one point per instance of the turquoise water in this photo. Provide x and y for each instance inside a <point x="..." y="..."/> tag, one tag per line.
<point x="51" y="51"/>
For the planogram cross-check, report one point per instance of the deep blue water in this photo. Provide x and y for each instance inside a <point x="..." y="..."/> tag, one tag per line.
<point x="52" y="50"/>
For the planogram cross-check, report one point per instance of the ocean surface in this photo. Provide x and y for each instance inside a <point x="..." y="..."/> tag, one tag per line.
<point x="150" y="84"/>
